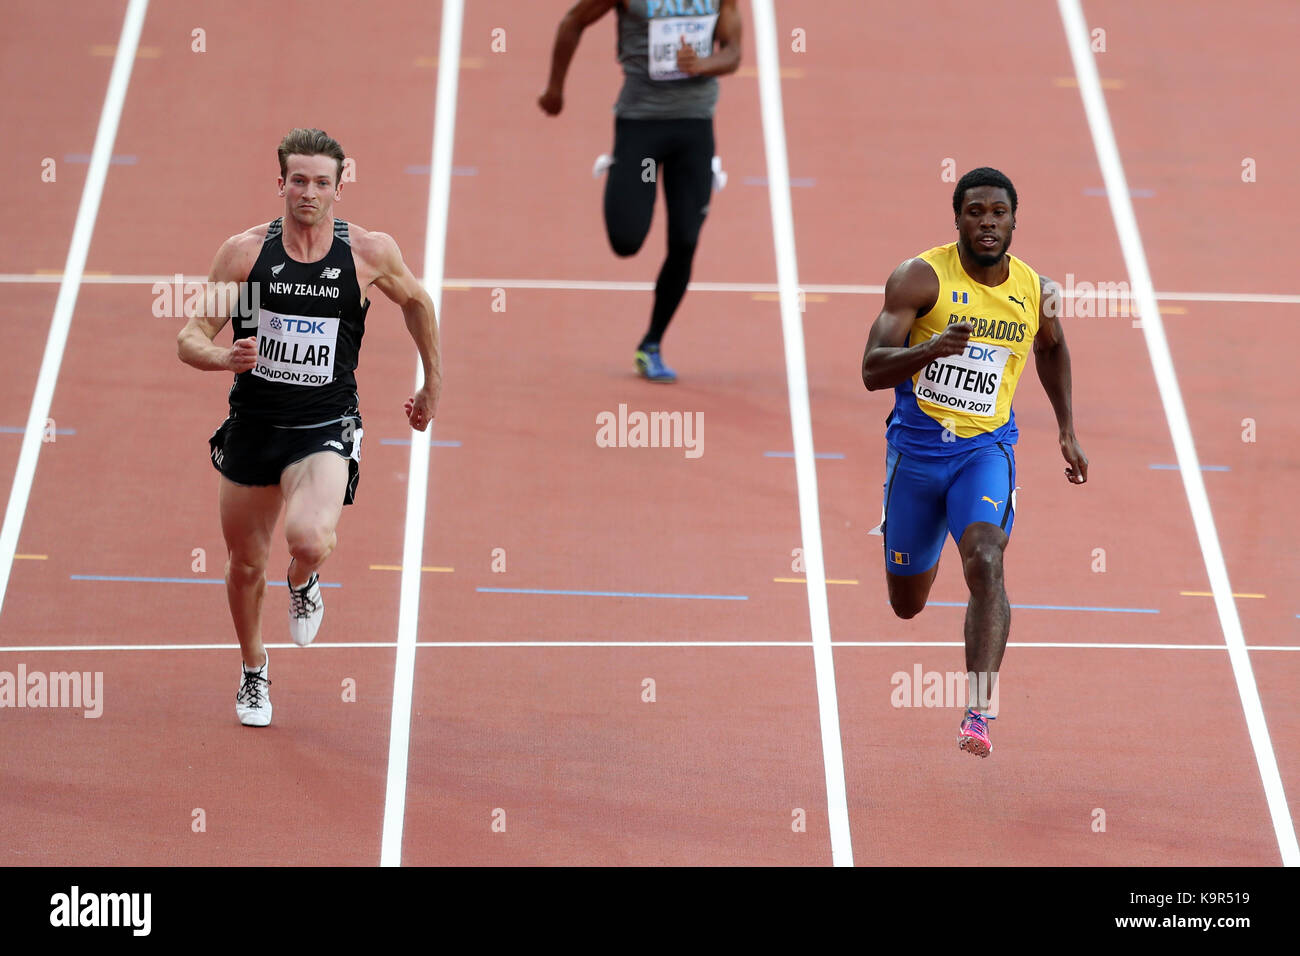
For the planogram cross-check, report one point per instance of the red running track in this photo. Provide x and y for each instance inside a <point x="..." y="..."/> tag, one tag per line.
<point x="559" y="742"/>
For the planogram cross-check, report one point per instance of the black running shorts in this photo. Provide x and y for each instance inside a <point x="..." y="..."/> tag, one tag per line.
<point x="252" y="453"/>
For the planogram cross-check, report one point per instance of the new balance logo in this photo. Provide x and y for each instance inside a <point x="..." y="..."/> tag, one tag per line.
<point x="1019" y="302"/>
<point x="275" y="270"/>
<point x="329" y="273"/>
<point x="992" y="502"/>
<point x="334" y="444"/>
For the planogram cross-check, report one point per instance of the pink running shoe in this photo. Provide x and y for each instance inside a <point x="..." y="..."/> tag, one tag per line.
<point x="974" y="737"/>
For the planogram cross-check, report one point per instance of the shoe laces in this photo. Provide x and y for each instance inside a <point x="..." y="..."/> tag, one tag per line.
<point x="301" y="603"/>
<point x="977" y="716"/>
<point x="250" y="691"/>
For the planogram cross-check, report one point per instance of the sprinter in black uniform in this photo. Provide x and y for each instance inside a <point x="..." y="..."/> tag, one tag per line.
<point x="292" y="439"/>
<point x="664" y="116"/>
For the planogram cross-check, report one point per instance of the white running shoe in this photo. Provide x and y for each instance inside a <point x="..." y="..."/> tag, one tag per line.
<point x="306" y="609"/>
<point x="253" y="702"/>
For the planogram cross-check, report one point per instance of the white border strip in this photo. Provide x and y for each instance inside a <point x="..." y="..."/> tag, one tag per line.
<point x="399" y="738"/>
<point x="61" y="324"/>
<point x="787" y="273"/>
<point x="1121" y="208"/>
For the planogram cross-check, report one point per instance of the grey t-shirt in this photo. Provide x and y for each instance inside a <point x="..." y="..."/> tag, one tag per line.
<point x="649" y="33"/>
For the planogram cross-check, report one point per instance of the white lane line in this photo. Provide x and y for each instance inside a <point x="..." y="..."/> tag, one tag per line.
<point x="604" y="285"/>
<point x="1153" y="330"/>
<point x="356" y="645"/>
<point x="787" y="273"/>
<point x="61" y="324"/>
<point x="399" y="736"/>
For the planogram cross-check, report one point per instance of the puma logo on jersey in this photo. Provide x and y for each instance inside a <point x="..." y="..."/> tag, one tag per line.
<point x="275" y="270"/>
<point x="329" y="273"/>
<point x="1019" y="302"/>
<point x="992" y="502"/>
<point x="334" y="444"/>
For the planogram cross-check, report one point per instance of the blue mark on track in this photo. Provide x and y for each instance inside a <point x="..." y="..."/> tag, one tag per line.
<point x="1135" y="193"/>
<point x="126" y="159"/>
<point x="798" y="182"/>
<point x="436" y="443"/>
<point x="117" y="577"/>
<point x="1057" y="607"/>
<point x="633" y="594"/>
<point x="426" y="169"/>
<point x="789" y="454"/>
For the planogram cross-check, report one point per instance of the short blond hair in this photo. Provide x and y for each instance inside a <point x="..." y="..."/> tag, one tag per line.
<point x="309" y="142"/>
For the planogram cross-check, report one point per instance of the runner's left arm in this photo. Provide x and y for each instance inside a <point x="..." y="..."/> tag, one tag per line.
<point x="395" y="280"/>
<point x="726" y="37"/>
<point x="1052" y="359"/>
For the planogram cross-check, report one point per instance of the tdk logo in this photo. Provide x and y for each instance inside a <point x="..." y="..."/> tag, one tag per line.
<point x="982" y="353"/>
<point x="302" y="326"/>
<point x="275" y="323"/>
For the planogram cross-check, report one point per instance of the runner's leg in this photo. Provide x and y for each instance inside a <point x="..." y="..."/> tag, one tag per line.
<point x="913" y="529"/>
<point x="981" y="511"/>
<point x="687" y="174"/>
<point x="313" y="492"/>
<point x="630" y="186"/>
<point x="248" y="516"/>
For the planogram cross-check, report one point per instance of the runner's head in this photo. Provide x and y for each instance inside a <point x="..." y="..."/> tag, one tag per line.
<point x="985" y="205"/>
<point x="311" y="165"/>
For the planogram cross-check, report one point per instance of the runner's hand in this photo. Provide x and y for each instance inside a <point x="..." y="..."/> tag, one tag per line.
<point x="551" y="102"/>
<point x="688" y="61"/>
<point x="242" y="356"/>
<point x="953" y="340"/>
<point x="420" y="409"/>
<point x="1077" y="472"/>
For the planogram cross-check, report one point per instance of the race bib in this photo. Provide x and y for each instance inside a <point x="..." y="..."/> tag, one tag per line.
<point x="666" y="37"/>
<point x="967" y="383"/>
<point x="295" y="349"/>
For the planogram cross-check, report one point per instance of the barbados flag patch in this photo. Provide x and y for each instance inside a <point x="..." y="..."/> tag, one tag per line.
<point x="900" y="557"/>
<point x="965" y="297"/>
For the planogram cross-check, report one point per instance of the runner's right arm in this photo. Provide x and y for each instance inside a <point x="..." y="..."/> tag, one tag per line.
<point x="580" y="16"/>
<point x="194" y="343"/>
<point x="911" y="292"/>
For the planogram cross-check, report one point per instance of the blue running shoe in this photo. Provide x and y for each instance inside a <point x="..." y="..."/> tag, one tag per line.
<point x="651" y="365"/>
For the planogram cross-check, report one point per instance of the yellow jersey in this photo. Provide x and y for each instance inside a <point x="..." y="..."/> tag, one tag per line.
<point x="968" y="395"/>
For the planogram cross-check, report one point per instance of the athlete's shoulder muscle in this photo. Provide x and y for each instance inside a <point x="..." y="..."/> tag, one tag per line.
<point x="379" y="261"/>
<point x="913" y="286"/>
<point x="231" y="265"/>
<point x="376" y="251"/>
<point x="237" y="254"/>
<point x="910" y="292"/>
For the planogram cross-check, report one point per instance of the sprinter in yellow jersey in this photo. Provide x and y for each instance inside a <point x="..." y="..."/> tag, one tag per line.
<point x="952" y="339"/>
